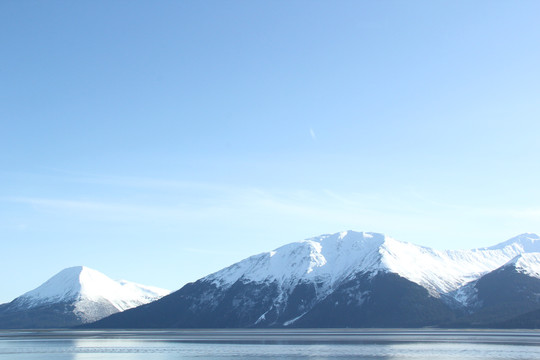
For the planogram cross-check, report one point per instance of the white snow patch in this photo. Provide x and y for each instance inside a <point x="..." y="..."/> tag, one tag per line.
<point x="289" y="322"/>
<point x="262" y="317"/>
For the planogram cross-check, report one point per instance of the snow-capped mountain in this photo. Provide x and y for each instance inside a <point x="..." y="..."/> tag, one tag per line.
<point x="74" y="296"/>
<point x="332" y="258"/>
<point x="344" y="279"/>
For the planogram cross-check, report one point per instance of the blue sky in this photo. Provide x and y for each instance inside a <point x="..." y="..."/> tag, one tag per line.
<point x="162" y="141"/>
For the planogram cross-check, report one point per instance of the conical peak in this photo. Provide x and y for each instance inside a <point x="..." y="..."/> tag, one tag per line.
<point x="74" y="269"/>
<point x="75" y="272"/>
<point x="64" y="285"/>
<point x="71" y="284"/>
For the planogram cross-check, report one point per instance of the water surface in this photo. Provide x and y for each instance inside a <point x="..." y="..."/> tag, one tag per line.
<point x="270" y="344"/>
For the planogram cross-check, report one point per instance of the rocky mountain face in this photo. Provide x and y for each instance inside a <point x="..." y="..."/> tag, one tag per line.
<point x="353" y="279"/>
<point x="502" y="294"/>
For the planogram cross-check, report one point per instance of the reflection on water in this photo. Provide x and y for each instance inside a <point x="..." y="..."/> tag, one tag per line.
<point x="270" y="344"/>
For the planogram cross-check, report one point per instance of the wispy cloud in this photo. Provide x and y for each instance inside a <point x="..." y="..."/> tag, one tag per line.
<point x="140" y="182"/>
<point x="411" y="217"/>
<point x="114" y="211"/>
<point x="312" y="133"/>
<point x="234" y="204"/>
<point x="325" y="204"/>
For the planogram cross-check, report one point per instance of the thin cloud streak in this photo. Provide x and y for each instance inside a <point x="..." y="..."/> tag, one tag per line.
<point x="116" y="211"/>
<point x="367" y="211"/>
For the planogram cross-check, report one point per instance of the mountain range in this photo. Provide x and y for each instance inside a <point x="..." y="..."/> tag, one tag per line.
<point x="75" y="296"/>
<point x="347" y="279"/>
<point x="355" y="279"/>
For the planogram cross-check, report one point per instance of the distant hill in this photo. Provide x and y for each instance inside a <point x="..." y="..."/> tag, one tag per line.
<point x="74" y="296"/>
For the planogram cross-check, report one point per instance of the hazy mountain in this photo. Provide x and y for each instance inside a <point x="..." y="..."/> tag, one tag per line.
<point x="74" y="296"/>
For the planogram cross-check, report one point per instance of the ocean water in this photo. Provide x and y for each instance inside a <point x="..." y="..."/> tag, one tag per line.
<point x="270" y="344"/>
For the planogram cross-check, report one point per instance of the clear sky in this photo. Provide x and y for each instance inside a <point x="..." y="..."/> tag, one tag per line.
<point x="160" y="141"/>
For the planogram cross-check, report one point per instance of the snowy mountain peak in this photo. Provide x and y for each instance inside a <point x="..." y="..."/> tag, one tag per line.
<point x="74" y="296"/>
<point x="526" y="264"/>
<point x="363" y="238"/>
<point x="524" y="243"/>
<point x="82" y="284"/>
<point x="66" y="285"/>
<point x="328" y="258"/>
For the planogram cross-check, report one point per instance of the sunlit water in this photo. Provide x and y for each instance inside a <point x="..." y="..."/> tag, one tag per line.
<point x="270" y="344"/>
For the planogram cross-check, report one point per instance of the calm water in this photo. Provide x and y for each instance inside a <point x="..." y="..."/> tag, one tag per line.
<point x="270" y="344"/>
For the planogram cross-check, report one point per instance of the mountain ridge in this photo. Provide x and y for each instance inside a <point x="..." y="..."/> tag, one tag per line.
<point x="343" y="274"/>
<point x="440" y="271"/>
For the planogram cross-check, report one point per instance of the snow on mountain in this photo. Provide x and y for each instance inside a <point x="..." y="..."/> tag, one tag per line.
<point x="331" y="259"/>
<point x="352" y="279"/>
<point x="442" y="271"/>
<point x="524" y="243"/>
<point x="528" y="264"/>
<point x="92" y="293"/>
<point x="326" y="259"/>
